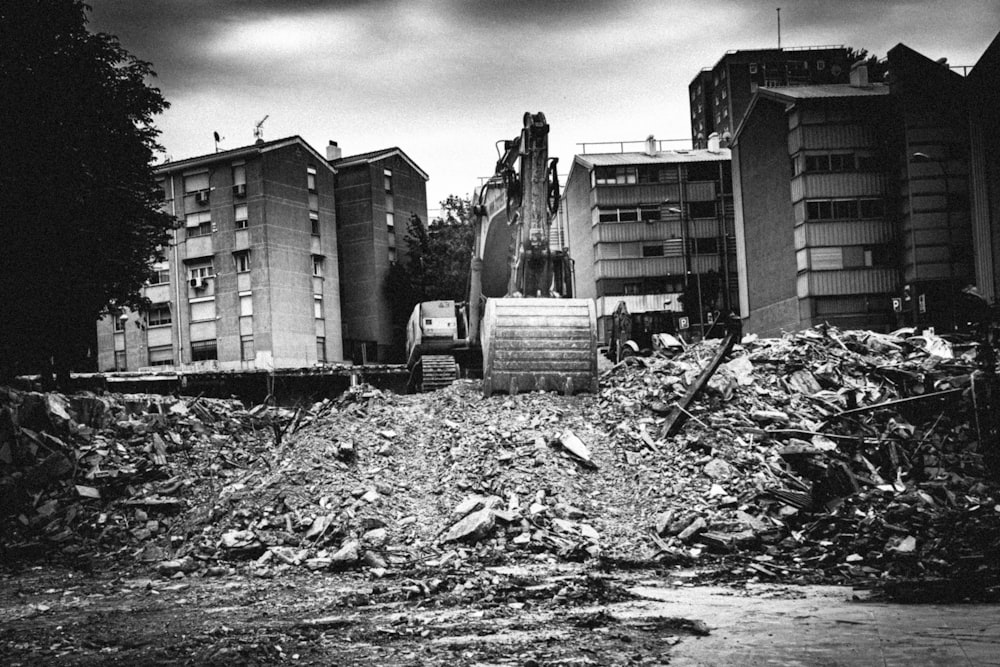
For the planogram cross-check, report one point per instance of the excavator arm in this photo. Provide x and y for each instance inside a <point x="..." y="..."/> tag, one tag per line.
<point x="531" y="339"/>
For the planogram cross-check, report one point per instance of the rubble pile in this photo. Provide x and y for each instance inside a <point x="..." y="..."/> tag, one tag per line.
<point x="829" y="455"/>
<point x="825" y="455"/>
<point x="91" y="474"/>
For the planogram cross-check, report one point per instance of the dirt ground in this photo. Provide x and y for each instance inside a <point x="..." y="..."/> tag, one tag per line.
<point x="553" y="614"/>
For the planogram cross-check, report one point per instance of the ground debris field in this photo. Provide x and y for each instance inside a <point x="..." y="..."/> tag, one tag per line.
<point x="452" y="528"/>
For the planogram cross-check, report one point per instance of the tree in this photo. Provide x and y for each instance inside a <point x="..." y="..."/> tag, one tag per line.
<point x="877" y="69"/>
<point x="435" y="265"/>
<point x="79" y="204"/>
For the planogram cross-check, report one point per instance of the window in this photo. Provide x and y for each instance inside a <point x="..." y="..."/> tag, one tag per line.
<point x="867" y="163"/>
<point x="198" y="224"/>
<point x="820" y="64"/>
<point x="317" y="261"/>
<point x="161" y="355"/>
<point x="239" y="180"/>
<point x="871" y="208"/>
<point x="204" y="350"/>
<point x="314" y="223"/>
<point x="246" y="348"/>
<point x="311" y="179"/>
<point x="701" y="209"/>
<point x="118" y="321"/>
<point x="120" y="360"/>
<point x="246" y="305"/>
<point x="649" y="213"/>
<point x="318" y="307"/>
<point x="387" y="180"/>
<point x="633" y="287"/>
<point x="242" y="261"/>
<point x="203" y="310"/>
<point x="649" y="174"/>
<point x="240" y="214"/>
<point x="819" y="210"/>
<point x="616" y="175"/>
<point x="753" y="68"/>
<point x="239" y="173"/>
<point x="842" y="162"/>
<point x="196" y="183"/>
<point x="392" y="255"/>
<point x="321" y="349"/>
<point x="845" y="209"/>
<point x="159" y="276"/>
<point x="201" y="270"/>
<point x="652" y="250"/>
<point x="158" y="315"/>
<point x="390" y="220"/>
<point x="817" y="163"/>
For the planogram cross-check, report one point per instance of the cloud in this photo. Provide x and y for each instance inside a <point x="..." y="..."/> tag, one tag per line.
<point x="444" y="79"/>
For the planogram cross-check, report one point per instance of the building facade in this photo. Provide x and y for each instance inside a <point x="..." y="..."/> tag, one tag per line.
<point x="377" y="193"/>
<point x="653" y="229"/>
<point x="251" y="278"/>
<point x="852" y="201"/>
<point x="720" y="95"/>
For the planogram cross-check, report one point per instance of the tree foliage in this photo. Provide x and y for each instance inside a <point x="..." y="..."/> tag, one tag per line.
<point x="877" y="69"/>
<point x="79" y="205"/>
<point x="435" y="263"/>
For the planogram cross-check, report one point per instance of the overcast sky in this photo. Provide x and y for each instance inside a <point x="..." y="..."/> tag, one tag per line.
<point x="445" y="79"/>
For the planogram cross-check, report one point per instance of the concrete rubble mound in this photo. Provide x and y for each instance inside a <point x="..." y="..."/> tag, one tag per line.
<point x="821" y="456"/>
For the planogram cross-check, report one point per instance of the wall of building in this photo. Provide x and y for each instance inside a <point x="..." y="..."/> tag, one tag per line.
<point x="938" y="258"/>
<point x="279" y="329"/>
<point x="368" y="246"/>
<point x="580" y="215"/>
<point x="762" y="167"/>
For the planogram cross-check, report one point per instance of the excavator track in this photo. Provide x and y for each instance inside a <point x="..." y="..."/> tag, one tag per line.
<point x="539" y="344"/>
<point x="437" y="371"/>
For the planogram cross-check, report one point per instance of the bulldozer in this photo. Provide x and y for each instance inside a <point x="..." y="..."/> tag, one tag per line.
<point x="520" y="325"/>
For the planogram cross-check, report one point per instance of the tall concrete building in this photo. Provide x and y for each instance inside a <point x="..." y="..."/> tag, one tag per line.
<point x="251" y="278"/>
<point x="852" y="201"/>
<point x="647" y="227"/>
<point x="720" y="95"/>
<point x="377" y="193"/>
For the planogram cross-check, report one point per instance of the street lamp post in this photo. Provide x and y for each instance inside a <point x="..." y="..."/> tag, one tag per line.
<point x="686" y="235"/>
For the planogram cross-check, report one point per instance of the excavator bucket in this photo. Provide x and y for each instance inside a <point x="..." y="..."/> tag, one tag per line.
<point x="541" y="344"/>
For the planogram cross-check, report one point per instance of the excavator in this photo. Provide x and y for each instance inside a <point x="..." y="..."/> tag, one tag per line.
<point x="520" y="322"/>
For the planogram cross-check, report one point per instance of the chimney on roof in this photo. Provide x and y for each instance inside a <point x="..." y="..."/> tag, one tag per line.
<point x="651" y="145"/>
<point x="333" y="151"/>
<point x="713" y="142"/>
<point x="859" y="74"/>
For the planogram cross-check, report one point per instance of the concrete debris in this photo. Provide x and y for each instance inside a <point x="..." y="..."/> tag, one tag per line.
<point x="822" y="456"/>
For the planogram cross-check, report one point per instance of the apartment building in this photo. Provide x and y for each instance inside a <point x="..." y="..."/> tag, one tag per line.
<point x="852" y="201"/>
<point x="653" y="229"/>
<point x="251" y="278"/>
<point x="376" y="194"/>
<point x="720" y="95"/>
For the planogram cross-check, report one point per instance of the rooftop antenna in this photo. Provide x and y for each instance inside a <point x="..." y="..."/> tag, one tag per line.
<point x="258" y="130"/>
<point x="779" y="27"/>
<point x="217" y="140"/>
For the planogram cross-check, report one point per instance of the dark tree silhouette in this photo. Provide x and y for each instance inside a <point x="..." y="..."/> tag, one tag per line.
<point x="435" y="266"/>
<point x="79" y="205"/>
